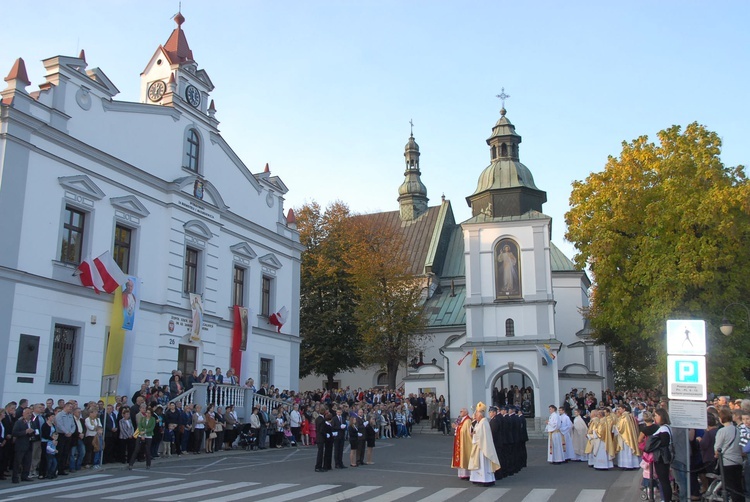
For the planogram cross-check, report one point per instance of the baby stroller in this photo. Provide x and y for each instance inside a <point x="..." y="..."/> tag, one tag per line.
<point x="288" y="439"/>
<point x="247" y="439"/>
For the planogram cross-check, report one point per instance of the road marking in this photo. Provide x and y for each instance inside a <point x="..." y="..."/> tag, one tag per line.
<point x="539" y="495"/>
<point x="206" y="493"/>
<point x="209" y="465"/>
<point x="490" y="495"/>
<point x="443" y="495"/>
<point x="56" y="490"/>
<point x="396" y="494"/>
<point x="591" y="496"/>
<point x="300" y="493"/>
<point x="151" y="482"/>
<point x="183" y="486"/>
<point x="252" y="493"/>
<point x="347" y="494"/>
<point x="62" y="481"/>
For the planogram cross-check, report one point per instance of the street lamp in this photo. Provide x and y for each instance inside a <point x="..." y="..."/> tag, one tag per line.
<point x="727" y="327"/>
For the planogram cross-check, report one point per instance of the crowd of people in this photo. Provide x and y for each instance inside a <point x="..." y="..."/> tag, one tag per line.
<point x="632" y="430"/>
<point x="47" y="440"/>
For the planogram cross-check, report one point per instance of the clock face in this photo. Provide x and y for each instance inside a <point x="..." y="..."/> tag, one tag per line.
<point x="156" y="90"/>
<point x="193" y="96"/>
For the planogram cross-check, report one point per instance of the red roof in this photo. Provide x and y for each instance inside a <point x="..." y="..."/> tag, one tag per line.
<point x="177" y="48"/>
<point x="290" y="217"/>
<point x="18" y="72"/>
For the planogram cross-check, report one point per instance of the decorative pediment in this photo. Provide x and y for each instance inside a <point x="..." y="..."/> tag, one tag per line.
<point x="271" y="261"/>
<point x="206" y="189"/>
<point x="130" y="204"/>
<point x="83" y="185"/>
<point x="243" y="249"/>
<point x="99" y="77"/>
<point x="197" y="227"/>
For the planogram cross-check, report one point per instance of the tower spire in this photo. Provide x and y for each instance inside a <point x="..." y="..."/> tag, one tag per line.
<point x="412" y="194"/>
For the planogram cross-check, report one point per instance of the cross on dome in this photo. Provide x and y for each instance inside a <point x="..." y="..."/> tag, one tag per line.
<point x="502" y="97"/>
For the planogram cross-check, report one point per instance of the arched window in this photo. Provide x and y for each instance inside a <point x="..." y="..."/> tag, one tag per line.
<point x="503" y="150"/>
<point x="510" y="329"/>
<point x="382" y="379"/>
<point x="493" y="152"/>
<point x="192" y="151"/>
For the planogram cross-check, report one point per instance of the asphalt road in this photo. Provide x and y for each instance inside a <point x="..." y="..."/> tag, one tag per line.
<point x="413" y="469"/>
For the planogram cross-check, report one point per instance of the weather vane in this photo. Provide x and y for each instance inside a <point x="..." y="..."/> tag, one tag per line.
<point x="503" y="97"/>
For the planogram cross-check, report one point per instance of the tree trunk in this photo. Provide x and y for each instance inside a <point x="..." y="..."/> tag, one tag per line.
<point x="392" y="370"/>
<point x="329" y="383"/>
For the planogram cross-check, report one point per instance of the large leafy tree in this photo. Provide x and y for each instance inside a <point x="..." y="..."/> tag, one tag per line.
<point x="665" y="230"/>
<point x="330" y="339"/>
<point x="389" y="311"/>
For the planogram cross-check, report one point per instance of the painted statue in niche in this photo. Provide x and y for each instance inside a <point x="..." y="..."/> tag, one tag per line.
<point x="507" y="267"/>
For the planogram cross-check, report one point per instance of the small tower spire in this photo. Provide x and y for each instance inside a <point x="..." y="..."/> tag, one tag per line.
<point x="412" y="194"/>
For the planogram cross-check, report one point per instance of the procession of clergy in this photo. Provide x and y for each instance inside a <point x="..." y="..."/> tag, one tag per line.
<point x="482" y="445"/>
<point x="609" y="438"/>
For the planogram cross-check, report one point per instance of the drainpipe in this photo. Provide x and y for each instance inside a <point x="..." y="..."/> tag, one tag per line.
<point x="448" y="377"/>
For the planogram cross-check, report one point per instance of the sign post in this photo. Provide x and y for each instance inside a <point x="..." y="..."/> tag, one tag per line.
<point x="686" y="377"/>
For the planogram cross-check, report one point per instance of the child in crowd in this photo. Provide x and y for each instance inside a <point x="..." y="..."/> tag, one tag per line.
<point x="98" y="445"/>
<point x="167" y="441"/>
<point x="289" y="436"/>
<point x="52" y="457"/>
<point x="305" y="432"/>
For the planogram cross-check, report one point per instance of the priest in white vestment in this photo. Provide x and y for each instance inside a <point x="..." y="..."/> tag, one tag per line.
<point x="565" y="427"/>
<point x="483" y="462"/>
<point x="555" y="441"/>
<point x="579" y="434"/>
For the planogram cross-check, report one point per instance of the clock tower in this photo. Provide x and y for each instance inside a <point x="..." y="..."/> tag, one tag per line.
<point x="172" y="77"/>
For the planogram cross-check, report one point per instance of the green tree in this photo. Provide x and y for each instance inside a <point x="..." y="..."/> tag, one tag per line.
<point x="664" y="230"/>
<point x="389" y="312"/>
<point x="330" y="340"/>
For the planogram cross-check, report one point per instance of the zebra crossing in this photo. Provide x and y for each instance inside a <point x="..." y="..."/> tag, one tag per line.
<point x="176" y="489"/>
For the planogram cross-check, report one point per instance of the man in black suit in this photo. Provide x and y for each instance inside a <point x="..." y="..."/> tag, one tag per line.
<point x="338" y="425"/>
<point x="320" y="439"/>
<point x="22" y="432"/>
<point x="328" y="449"/>
<point x="8" y="421"/>
<point x="496" y="427"/>
<point x="111" y="434"/>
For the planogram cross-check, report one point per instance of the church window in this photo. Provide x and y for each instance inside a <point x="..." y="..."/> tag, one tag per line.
<point x="382" y="380"/>
<point x="493" y="152"/>
<point x="192" y="151"/>
<point x="504" y="150"/>
<point x="510" y="329"/>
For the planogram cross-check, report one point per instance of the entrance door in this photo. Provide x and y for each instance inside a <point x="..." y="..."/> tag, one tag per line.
<point x="186" y="359"/>
<point x="515" y="388"/>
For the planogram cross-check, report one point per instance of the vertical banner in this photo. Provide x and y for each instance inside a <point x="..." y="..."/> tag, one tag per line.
<point x="131" y="300"/>
<point x="116" y="343"/>
<point x="239" y="338"/>
<point x="196" y="305"/>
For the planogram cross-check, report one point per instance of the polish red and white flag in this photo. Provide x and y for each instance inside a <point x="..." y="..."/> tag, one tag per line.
<point x="279" y="318"/>
<point x="101" y="273"/>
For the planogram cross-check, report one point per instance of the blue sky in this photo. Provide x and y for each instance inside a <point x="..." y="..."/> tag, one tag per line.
<point x="324" y="90"/>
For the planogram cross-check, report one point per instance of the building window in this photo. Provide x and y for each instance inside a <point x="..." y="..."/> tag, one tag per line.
<point x="192" y="151"/>
<point x="382" y="380"/>
<point x="123" y="242"/>
<point x="510" y="329"/>
<point x="63" y="354"/>
<point x="265" y="295"/>
<point x="503" y="150"/>
<point x="238" y="282"/>
<point x="265" y="370"/>
<point x="190" y="280"/>
<point x="187" y="359"/>
<point x="72" y="238"/>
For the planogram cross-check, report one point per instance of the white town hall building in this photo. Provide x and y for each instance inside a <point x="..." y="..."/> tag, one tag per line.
<point x="154" y="183"/>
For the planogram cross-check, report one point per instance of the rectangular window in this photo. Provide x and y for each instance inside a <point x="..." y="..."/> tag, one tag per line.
<point x="265" y="371"/>
<point x="123" y="241"/>
<point x="186" y="359"/>
<point x="71" y="247"/>
<point x="190" y="280"/>
<point x="265" y="295"/>
<point x="238" y="291"/>
<point x="63" y="353"/>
